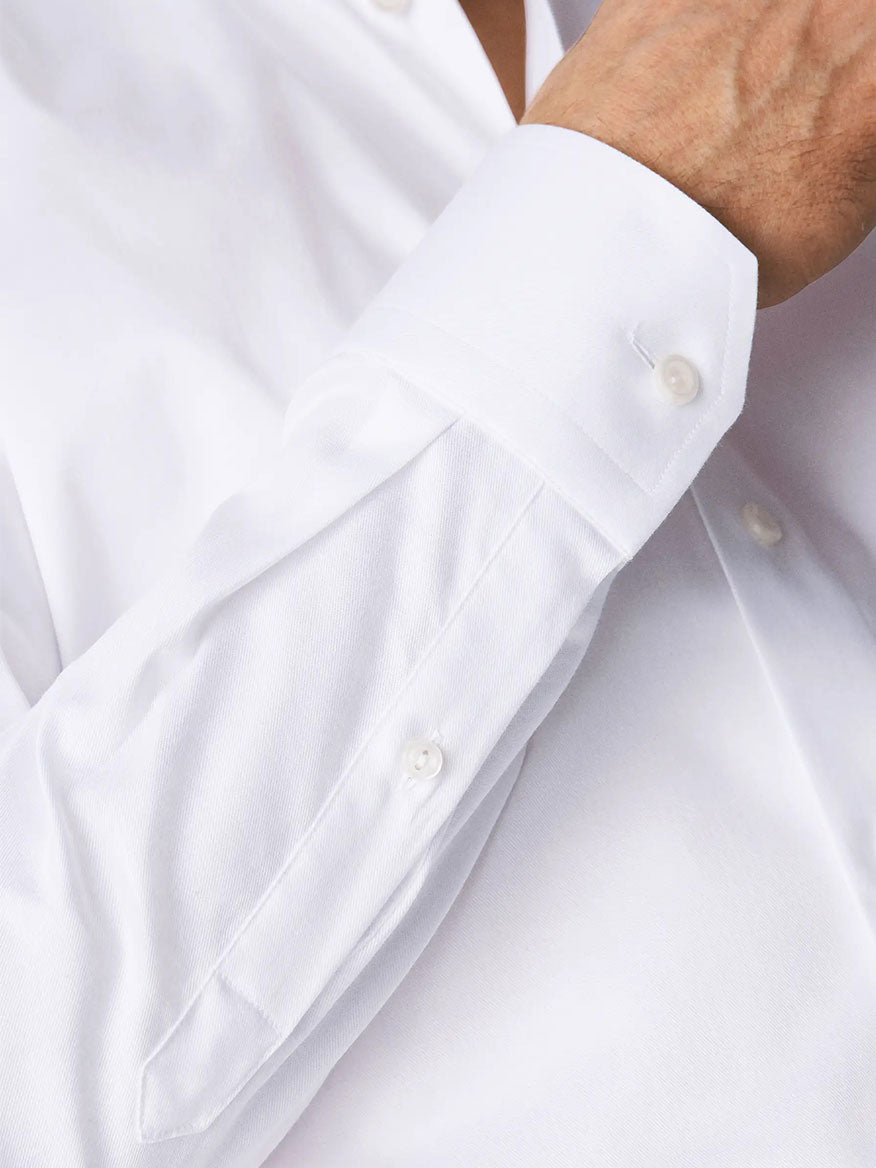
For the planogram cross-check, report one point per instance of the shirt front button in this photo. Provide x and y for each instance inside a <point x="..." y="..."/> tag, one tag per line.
<point x="763" y="527"/>
<point x="422" y="759"/>
<point x="392" y="5"/>
<point x="677" y="379"/>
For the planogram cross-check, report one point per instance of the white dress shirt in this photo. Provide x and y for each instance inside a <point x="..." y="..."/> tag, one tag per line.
<point x="428" y="741"/>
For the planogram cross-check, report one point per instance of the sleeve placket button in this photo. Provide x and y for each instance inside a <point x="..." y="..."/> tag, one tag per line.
<point x="422" y="759"/>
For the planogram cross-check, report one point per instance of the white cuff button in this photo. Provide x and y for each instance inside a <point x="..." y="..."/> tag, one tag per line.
<point x="677" y="379"/>
<point x="422" y="759"/>
<point x="763" y="527"/>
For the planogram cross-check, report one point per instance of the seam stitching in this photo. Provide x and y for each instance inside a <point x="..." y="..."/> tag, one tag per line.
<point x="389" y="307"/>
<point x="426" y="388"/>
<point x="223" y="977"/>
<point x="216" y="968"/>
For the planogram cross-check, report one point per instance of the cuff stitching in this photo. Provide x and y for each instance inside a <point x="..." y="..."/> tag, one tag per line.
<point x="536" y="391"/>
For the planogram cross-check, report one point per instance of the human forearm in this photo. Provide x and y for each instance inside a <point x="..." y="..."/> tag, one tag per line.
<point x="763" y="112"/>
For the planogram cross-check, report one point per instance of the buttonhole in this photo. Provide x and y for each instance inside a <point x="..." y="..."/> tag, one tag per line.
<point x="640" y="349"/>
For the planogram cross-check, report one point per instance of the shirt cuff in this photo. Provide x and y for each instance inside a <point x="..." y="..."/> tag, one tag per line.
<point x="543" y="304"/>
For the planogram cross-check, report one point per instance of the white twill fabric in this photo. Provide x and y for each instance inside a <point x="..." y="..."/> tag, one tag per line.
<point x="426" y="740"/>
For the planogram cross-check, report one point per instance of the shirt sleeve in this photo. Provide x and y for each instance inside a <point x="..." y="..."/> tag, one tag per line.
<point x="29" y="659"/>
<point x="218" y="814"/>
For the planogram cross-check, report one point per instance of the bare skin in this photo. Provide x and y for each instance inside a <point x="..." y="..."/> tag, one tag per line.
<point x="501" y="29"/>
<point x="763" y="111"/>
